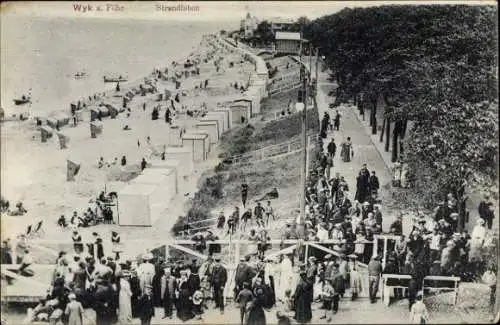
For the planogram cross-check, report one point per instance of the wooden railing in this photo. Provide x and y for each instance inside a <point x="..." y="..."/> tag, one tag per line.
<point x="272" y="151"/>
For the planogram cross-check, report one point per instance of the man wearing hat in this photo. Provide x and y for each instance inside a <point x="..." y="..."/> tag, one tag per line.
<point x="312" y="269"/>
<point x="374" y="272"/>
<point x="338" y="282"/>
<point x="219" y="279"/>
<point x="241" y="275"/>
<point x="146" y="271"/>
<point x="396" y="227"/>
<point x="485" y="210"/>
<point x="168" y="288"/>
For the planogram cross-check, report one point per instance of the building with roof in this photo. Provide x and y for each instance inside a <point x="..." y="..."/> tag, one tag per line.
<point x="248" y="25"/>
<point x="288" y="43"/>
<point x="280" y="24"/>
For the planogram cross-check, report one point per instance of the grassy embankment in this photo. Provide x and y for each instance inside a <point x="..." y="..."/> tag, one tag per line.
<point x="220" y="188"/>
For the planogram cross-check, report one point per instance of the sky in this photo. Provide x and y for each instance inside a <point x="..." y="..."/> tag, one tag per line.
<point x="213" y="11"/>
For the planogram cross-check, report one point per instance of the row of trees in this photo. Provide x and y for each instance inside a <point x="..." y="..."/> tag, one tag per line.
<point x="435" y="65"/>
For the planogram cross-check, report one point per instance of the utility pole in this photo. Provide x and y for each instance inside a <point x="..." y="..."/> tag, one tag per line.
<point x="317" y="65"/>
<point x="310" y="61"/>
<point x="303" y="78"/>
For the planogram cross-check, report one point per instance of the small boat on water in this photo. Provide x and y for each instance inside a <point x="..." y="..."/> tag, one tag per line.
<point x="80" y="75"/>
<point x="23" y="100"/>
<point x="115" y="79"/>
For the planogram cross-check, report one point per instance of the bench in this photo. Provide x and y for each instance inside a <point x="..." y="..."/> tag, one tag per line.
<point x="391" y="282"/>
<point x="435" y="283"/>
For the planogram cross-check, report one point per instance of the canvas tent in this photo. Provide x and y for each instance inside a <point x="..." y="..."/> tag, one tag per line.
<point x="240" y="113"/>
<point x="184" y="155"/>
<point x="175" y="166"/>
<point x="63" y="140"/>
<point x="227" y="116"/>
<point x="198" y="143"/>
<point x="46" y="133"/>
<point x="209" y="127"/>
<point x="140" y="204"/>
<point x="221" y="117"/>
<point x="165" y="178"/>
<point x="174" y="136"/>
<point x="95" y="129"/>
<point x="212" y="116"/>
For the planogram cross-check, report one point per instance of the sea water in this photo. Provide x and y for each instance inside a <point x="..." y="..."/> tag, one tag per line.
<point x="41" y="56"/>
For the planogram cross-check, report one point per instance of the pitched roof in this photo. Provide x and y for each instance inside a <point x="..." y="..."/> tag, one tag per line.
<point x="287" y="36"/>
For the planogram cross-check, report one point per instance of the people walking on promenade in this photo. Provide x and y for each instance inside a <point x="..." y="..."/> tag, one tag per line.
<point x="347" y="151"/>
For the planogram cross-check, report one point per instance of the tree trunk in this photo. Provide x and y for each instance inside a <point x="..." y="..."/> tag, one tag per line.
<point x="461" y="202"/>
<point x="387" y="135"/>
<point x="374" y="116"/>
<point x="371" y="112"/>
<point x="395" y="140"/>
<point x="405" y="126"/>
<point x="383" y="129"/>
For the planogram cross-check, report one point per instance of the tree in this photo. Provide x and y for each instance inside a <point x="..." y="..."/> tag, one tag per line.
<point x="264" y="32"/>
<point x="434" y="65"/>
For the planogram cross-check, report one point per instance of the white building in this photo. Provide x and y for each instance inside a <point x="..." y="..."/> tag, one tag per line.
<point x="249" y="25"/>
<point x="280" y="24"/>
<point x="288" y="43"/>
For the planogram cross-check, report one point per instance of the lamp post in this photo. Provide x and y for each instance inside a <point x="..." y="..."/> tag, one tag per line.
<point x="302" y="104"/>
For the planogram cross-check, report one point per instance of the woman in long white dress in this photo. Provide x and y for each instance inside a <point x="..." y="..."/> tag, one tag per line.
<point x="478" y="236"/>
<point x="286" y="274"/>
<point x="125" y="302"/>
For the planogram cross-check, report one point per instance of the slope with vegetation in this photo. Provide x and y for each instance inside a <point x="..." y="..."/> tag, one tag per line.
<point x="220" y="188"/>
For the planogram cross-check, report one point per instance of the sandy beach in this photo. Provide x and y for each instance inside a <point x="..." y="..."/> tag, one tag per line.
<point x="35" y="173"/>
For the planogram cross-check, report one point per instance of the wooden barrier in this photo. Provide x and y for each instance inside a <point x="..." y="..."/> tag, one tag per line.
<point x="391" y="282"/>
<point x="441" y="283"/>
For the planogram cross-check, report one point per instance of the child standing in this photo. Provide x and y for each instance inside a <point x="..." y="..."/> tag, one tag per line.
<point x="328" y="295"/>
<point x="244" y="296"/>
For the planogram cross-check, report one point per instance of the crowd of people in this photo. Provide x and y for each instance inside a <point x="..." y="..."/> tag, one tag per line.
<point x="100" y="213"/>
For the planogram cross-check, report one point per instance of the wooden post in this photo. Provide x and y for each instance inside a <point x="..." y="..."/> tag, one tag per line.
<point x="375" y="246"/>
<point x="385" y="253"/>
<point x="307" y="253"/>
<point x="237" y="253"/>
<point x="317" y="63"/>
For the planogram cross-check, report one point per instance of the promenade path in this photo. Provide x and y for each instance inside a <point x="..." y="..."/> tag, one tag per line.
<point x="363" y="146"/>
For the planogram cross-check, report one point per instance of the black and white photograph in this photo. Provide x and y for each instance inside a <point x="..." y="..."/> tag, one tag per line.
<point x="249" y="162"/>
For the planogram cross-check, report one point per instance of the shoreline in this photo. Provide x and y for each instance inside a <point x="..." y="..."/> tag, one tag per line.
<point x="45" y="192"/>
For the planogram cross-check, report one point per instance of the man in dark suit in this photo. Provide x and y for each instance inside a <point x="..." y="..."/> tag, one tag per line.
<point x="241" y="276"/>
<point x="219" y="279"/>
<point x="334" y="183"/>
<point x="168" y="288"/>
<point x="485" y="211"/>
<point x="332" y="148"/>
<point x="344" y="206"/>
<point x="373" y="183"/>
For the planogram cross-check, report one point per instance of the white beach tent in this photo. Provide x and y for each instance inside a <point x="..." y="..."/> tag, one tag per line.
<point x="198" y="142"/>
<point x="213" y="116"/>
<point x="210" y="127"/>
<point x="227" y="115"/>
<point x="166" y="178"/>
<point x="140" y="204"/>
<point x="156" y="177"/>
<point x="221" y="116"/>
<point x="184" y="155"/>
<point x="176" y="166"/>
<point x="174" y="136"/>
